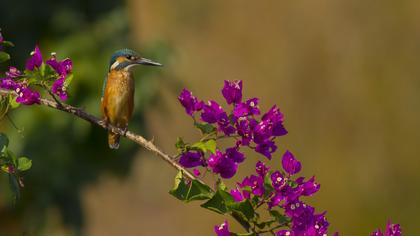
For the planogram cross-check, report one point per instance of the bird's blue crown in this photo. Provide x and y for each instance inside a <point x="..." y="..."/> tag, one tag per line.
<point x="122" y="53"/>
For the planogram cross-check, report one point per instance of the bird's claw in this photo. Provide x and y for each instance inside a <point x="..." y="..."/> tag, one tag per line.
<point x="125" y="130"/>
<point x="103" y="122"/>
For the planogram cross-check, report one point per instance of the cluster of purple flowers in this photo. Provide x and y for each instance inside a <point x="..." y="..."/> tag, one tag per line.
<point x="277" y="189"/>
<point x="391" y="230"/>
<point x="242" y="123"/>
<point x="63" y="68"/>
<point x="285" y="192"/>
<point x="24" y="94"/>
<point x="16" y="80"/>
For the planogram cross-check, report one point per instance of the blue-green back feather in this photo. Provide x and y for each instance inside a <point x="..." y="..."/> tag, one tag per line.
<point x="104" y="85"/>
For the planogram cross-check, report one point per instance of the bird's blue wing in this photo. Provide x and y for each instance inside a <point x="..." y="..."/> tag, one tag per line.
<point x="103" y="86"/>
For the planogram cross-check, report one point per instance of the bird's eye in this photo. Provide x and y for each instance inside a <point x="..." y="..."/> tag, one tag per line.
<point x="131" y="58"/>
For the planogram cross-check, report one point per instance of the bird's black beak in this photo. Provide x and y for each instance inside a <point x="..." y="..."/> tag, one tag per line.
<point x="148" y="62"/>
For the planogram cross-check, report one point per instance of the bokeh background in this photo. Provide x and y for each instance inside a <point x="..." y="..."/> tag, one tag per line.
<point x="345" y="73"/>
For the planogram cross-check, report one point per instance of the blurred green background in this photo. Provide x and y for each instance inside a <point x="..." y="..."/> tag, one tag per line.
<point x="345" y="73"/>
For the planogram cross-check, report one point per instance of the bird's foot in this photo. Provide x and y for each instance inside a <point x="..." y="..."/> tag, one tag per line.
<point x="125" y="130"/>
<point x="103" y="122"/>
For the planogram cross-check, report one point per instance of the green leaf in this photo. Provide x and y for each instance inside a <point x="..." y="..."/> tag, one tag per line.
<point x="268" y="184"/>
<point x="180" y="189"/>
<point x="218" y="202"/>
<point x="7" y="44"/>
<point x="205" y="128"/>
<point x="255" y="200"/>
<point x="24" y="163"/>
<point x="281" y="219"/>
<point x="4" y="57"/>
<point x="243" y="208"/>
<point x="4" y="141"/>
<point x="190" y="192"/>
<point x="180" y="144"/>
<point x="68" y="80"/>
<point x="12" y="102"/>
<point x="48" y="74"/>
<point x="42" y="69"/>
<point x="209" y="145"/>
<point x="198" y="191"/>
<point x="264" y="224"/>
<point x="221" y="185"/>
<point x="292" y="183"/>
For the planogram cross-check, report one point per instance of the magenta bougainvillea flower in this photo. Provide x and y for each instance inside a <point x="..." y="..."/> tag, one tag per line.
<point x="244" y="127"/>
<point x="222" y="230"/>
<point x="35" y="61"/>
<point x="191" y="159"/>
<point x="196" y="172"/>
<point x="232" y="91"/>
<point x="13" y="72"/>
<point x="261" y="168"/>
<point x="278" y="180"/>
<point x="219" y="163"/>
<point x="290" y="164"/>
<point x="267" y="147"/>
<point x="213" y="112"/>
<point x="63" y="69"/>
<point x="391" y="230"/>
<point x="235" y="155"/>
<point x="236" y="194"/>
<point x="309" y="187"/>
<point x="250" y="107"/>
<point x="59" y="89"/>
<point x="189" y="102"/>
<point x="9" y="83"/>
<point x="256" y="183"/>
<point x="27" y="97"/>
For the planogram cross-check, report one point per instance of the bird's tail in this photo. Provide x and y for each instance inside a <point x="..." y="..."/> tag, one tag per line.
<point x="113" y="140"/>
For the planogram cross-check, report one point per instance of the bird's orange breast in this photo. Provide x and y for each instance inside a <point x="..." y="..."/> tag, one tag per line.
<point x="118" y="98"/>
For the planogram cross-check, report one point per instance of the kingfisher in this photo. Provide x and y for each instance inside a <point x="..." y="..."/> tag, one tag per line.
<point x="117" y="99"/>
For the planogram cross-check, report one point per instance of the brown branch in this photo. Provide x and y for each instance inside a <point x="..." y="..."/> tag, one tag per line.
<point x="130" y="135"/>
<point x="140" y="140"/>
